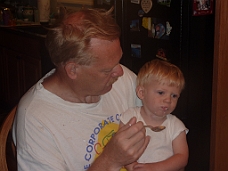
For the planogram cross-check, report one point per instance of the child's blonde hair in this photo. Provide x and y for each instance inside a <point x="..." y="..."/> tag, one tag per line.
<point x="162" y="71"/>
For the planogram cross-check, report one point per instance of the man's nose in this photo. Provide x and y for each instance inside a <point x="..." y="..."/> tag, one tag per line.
<point x="117" y="71"/>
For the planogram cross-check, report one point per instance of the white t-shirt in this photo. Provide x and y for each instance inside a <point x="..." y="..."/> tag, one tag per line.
<point x="53" y="134"/>
<point x="160" y="145"/>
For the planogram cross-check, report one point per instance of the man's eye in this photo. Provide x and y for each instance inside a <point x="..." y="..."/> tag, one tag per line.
<point x="107" y="71"/>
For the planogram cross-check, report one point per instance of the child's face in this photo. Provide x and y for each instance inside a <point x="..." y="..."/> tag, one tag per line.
<point x="159" y="99"/>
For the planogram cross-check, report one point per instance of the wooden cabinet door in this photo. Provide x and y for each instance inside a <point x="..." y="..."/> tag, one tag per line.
<point x="31" y="71"/>
<point x="13" y="73"/>
<point x="3" y="75"/>
<point x="21" y="72"/>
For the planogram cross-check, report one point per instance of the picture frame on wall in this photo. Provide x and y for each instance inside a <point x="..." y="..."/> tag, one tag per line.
<point x="202" y="7"/>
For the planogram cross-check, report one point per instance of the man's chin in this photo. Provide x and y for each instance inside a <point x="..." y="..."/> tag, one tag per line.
<point x="112" y="82"/>
<point x="107" y="89"/>
<point x="109" y="86"/>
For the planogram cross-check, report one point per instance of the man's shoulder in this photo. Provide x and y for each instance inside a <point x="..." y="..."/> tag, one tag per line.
<point x="128" y="77"/>
<point x="128" y="72"/>
<point x="127" y="80"/>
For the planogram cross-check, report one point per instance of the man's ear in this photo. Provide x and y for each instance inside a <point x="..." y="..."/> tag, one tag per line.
<point x="140" y="91"/>
<point x="71" y="69"/>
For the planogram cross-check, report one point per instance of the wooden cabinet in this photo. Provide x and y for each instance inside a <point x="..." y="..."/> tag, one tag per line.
<point x="3" y="75"/>
<point x="21" y="60"/>
<point x="19" y="74"/>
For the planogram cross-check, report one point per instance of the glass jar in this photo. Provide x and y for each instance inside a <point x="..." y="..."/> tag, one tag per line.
<point x="28" y="13"/>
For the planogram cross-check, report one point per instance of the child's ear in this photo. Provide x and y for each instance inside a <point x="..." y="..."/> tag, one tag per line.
<point x="140" y="90"/>
<point x="70" y="69"/>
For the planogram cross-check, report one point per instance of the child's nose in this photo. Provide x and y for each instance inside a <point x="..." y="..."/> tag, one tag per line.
<point x="167" y="99"/>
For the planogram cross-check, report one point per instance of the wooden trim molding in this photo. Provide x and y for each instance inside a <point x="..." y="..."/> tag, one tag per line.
<point x="83" y="2"/>
<point x="219" y="121"/>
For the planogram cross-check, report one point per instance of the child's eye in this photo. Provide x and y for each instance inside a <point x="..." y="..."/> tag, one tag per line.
<point x="174" y="96"/>
<point x="160" y="92"/>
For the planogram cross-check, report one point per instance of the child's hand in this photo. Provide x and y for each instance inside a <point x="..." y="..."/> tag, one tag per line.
<point x="143" y="167"/>
<point x="131" y="166"/>
<point x="152" y="167"/>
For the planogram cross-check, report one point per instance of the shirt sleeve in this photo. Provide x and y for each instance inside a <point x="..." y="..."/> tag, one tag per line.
<point x="36" y="148"/>
<point x="177" y="127"/>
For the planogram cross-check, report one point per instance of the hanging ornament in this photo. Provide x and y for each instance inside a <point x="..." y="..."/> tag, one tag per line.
<point x="146" y="5"/>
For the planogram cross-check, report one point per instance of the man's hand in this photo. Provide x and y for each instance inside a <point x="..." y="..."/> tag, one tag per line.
<point x="125" y="147"/>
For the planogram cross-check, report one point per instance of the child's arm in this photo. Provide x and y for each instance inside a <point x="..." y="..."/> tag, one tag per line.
<point x="175" y="163"/>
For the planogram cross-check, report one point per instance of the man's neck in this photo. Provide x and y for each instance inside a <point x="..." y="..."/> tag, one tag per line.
<point x="61" y="88"/>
